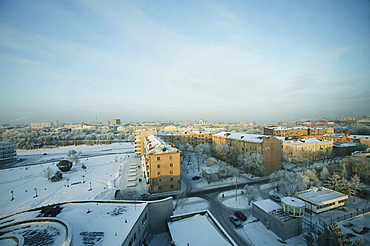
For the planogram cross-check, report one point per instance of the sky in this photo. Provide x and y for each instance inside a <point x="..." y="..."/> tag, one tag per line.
<point x="267" y="61"/>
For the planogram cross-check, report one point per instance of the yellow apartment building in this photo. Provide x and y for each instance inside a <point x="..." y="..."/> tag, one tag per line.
<point x="140" y="134"/>
<point x="161" y="163"/>
<point x="308" y="144"/>
<point x="193" y="138"/>
<point x="40" y="124"/>
<point x="268" y="146"/>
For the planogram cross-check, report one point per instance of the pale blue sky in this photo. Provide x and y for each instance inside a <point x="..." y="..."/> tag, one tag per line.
<point x="183" y="60"/>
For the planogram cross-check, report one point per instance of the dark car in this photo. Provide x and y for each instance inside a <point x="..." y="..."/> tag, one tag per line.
<point x="276" y="198"/>
<point x="196" y="178"/>
<point x="240" y="215"/>
<point x="144" y="197"/>
<point x="235" y="221"/>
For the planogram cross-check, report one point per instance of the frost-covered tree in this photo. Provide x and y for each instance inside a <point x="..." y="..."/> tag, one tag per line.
<point x="309" y="177"/>
<point x="287" y="183"/>
<point x="251" y="192"/>
<point x="251" y="163"/>
<point x="355" y="185"/>
<point x="48" y="172"/>
<point x="338" y="183"/>
<point x="324" y="173"/>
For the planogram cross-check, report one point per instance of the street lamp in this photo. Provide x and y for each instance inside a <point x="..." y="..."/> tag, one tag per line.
<point x="236" y="189"/>
<point x="83" y="178"/>
<point x="36" y="193"/>
<point x="12" y="195"/>
<point x="90" y="187"/>
<point x="67" y="182"/>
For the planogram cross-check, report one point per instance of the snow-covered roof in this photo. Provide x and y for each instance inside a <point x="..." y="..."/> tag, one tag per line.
<point x="155" y="145"/>
<point x="267" y="205"/>
<point x="320" y="195"/>
<point x="293" y="202"/>
<point x="111" y="220"/>
<point x="196" y="230"/>
<point x="345" y="144"/>
<point x="334" y="135"/>
<point x="278" y="128"/>
<point x="305" y="141"/>
<point x="361" y="137"/>
<point x="253" y="138"/>
<point x="211" y="169"/>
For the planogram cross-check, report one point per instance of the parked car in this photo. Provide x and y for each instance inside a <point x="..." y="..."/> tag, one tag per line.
<point x="235" y="221"/>
<point x="240" y="215"/>
<point x="360" y="230"/>
<point x="276" y="198"/>
<point x="144" y="197"/>
<point x="196" y="178"/>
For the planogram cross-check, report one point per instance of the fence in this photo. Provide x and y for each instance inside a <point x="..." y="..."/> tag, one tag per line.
<point x="343" y="217"/>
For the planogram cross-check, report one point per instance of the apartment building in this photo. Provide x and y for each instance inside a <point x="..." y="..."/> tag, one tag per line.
<point x="193" y="138"/>
<point x="40" y="124"/>
<point x="161" y="163"/>
<point x="268" y="146"/>
<point x="140" y="134"/>
<point x="291" y="146"/>
<point x="7" y="153"/>
<point x="280" y="131"/>
<point x="337" y="137"/>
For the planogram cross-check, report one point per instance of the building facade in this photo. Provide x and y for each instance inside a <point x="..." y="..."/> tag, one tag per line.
<point x="279" y="131"/>
<point x="161" y="163"/>
<point x="268" y="146"/>
<point x="41" y="124"/>
<point x="309" y="145"/>
<point x="7" y="153"/>
<point x="193" y="138"/>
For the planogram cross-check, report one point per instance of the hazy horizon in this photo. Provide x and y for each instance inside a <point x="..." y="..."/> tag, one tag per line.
<point x="228" y="61"/>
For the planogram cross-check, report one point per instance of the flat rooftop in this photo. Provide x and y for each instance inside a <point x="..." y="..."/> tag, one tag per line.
<point x="253" y="138"/>
<point x="89" y="222"/>
<point x="197" y="230"/>
<point x="320" y="195"/>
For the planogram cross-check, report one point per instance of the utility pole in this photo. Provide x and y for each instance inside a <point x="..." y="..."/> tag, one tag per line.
<point x="236" y="189"/>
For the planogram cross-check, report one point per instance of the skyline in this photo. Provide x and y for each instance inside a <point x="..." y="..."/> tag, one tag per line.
<point x="74" y="61"/>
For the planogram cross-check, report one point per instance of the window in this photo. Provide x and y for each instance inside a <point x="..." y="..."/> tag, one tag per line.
<point x="158" y="158"/>
<point x="171" y="164"/>
<point x="171" y="171"/>
<point x="159" y="166"/>
<point x="159" y="188"/>
<point x="159" y="173"/>
<point x="159" y="181"/>
<point x="172" y="187"/>
<point x="171" y="179"/>
<point x="171" y="157"/>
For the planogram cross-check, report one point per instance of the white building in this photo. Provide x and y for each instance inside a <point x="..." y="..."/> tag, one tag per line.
<point x="7" y="153"/>
<point x="322" y="199"/>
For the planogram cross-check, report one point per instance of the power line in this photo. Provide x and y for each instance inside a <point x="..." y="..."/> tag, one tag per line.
<point x="47" y="47"/>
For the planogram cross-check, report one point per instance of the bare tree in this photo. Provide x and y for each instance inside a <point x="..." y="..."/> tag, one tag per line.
<point x="251" y="192"/>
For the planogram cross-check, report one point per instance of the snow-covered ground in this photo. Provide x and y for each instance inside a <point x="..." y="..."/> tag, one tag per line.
<point x="100" y="180"/>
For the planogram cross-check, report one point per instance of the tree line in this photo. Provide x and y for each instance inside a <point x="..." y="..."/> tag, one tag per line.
<point x="26" y="138"/>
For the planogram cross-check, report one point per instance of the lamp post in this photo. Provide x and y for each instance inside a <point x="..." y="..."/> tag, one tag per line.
<point x="90" y="187"/>
<point x="12" y="195"/>
<point x="36" y="193"/>
<point x="83" y="178"/>
<point x="236" y="189"/>
<point x="67" y="182"/>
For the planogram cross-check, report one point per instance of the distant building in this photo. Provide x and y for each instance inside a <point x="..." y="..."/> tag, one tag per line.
<point x="362" y="139"/>
<point x="280" y="131"/>
<point x="274" y="218"/>
<point x="161" y="163"/>
<point x="193" y="138"/>
<point x="268" y="146"/>
<point x="7" y="153"/>
<point x="41" y="124"/>
<point x="336" y="137"/>
<point x="116" y="122"/>
<point x="365" y="122"/>
<point x="322" y="199"/>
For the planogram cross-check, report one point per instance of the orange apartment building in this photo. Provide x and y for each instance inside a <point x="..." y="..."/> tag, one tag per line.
<point x="269" y="147"/>
<point x="161" y="163"/>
